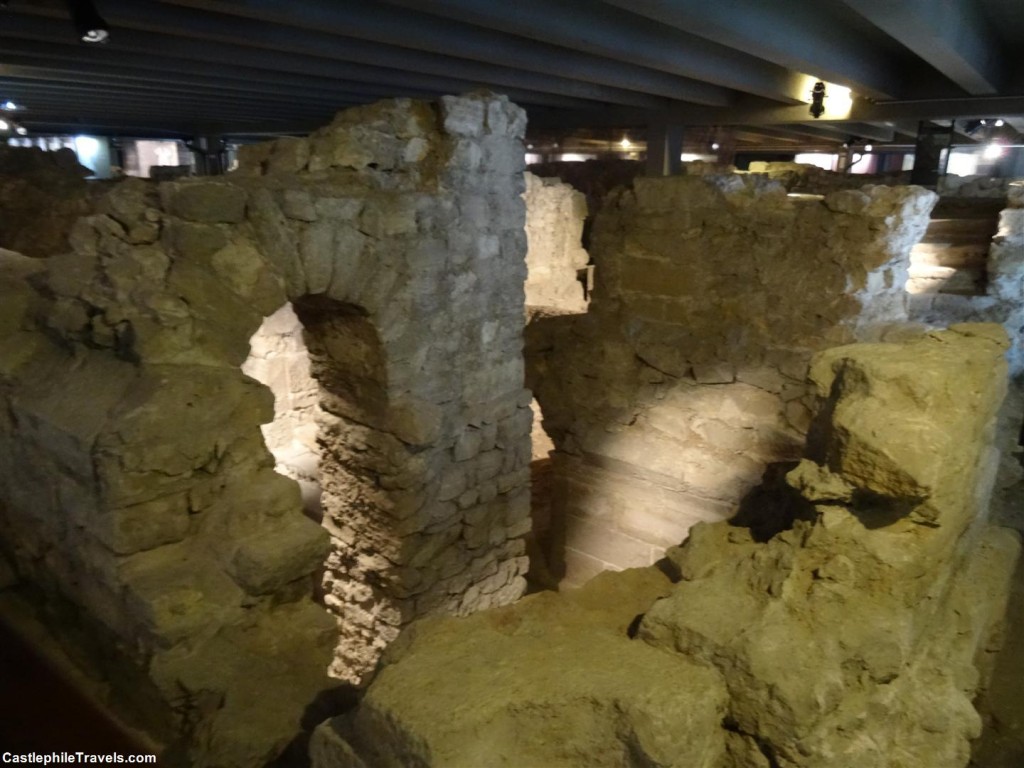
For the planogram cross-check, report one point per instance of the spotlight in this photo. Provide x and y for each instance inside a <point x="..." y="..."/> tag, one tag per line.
<point x="715" y="145"/>
<point x="818" y="100"/>
<point x="993" y="151"/>
<point x="1000" y="123"/>
<point x="625" y="143"/>
<point x="4" y="125"/>
<point x="9" y="106"/>
<point x="868" y="147"/>
<point x="21" y="130"/>
<point x="88" y="23"/>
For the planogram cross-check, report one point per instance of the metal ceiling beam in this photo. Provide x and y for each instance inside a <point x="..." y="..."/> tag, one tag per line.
<point x="754" y="113"/>
<point x="84" y="85"/>
<point x="861" y="130"/>
<point x="224" y="54"/>
<point x="791" y="33"/>
<point x="24" y="56"/>
<point x="75" y="97"/>
<point x="383" y="36"/>
<point x="628" y="39"/>
<point x="951" y="35"/>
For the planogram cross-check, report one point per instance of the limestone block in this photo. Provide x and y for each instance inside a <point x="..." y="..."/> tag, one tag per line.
<point x="463" y="116"/>
<point x="173" y="593"/>
<point x="541" y="651"/>
<point x="881" y="442"/>
<point x="289" y="154"/>
<point x="204" y="201"/>
<point x="144" y="526"/>
<point x="298" y="204"/>
<point x="269" y="559"/>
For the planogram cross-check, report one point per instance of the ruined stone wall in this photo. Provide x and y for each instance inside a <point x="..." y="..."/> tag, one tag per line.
<point x="42" y="194"/>
<point x="802" y="178"/>
<point x="1003" y="301"/>
<point x="137" y="494"/>
<point x="686" y="379"/>
<point x="555" y="213"/>
<point x="846" y="621"/>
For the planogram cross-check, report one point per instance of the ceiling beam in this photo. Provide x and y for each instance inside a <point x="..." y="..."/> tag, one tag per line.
<point x="859" y="130"/>
<point x="25" y="58"/>
<point x="523" y="87"/>
<point x="414" y="42"/>
<point x="754" y="113"/>
<point x="789" y="33"/>
<point x="951" y="35"/>
<point x="624" y="37"/>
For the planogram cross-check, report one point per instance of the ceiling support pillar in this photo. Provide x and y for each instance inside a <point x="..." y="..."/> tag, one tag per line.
<point x="664" y="146"/>
<point x="931" y="153"/>
<point x="210" y="153"/>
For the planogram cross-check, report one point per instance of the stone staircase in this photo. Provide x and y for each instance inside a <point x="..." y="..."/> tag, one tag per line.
<point x="952" y="256"/>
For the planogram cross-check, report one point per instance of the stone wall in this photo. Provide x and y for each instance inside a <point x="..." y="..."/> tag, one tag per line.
<point x="42" y="194"/>
<point x="846" y="621"/>
<point x="802" y="178"/>
<point x="1003" y="301"/>
<point x="279" y="359"/>
<point x="686" y="379"/>
<point x="555" y="214"/>
<point x="137" y="496"/>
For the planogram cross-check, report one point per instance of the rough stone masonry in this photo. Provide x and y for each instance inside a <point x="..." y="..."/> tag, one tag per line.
<point x="687" y="377"/>
<point x="845" y="623"/>
<point x="137" y="496"/>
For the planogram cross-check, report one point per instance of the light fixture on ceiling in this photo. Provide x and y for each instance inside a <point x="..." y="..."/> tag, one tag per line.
<point x="715" y="146"/>
<point x="868" y="147"/>
<point x="818" y="100"/>
<point x="9" y="106"/>
<point x="1000" y="123"/>
<point x="4" y="125"/>
<point x="625" y="143"/>
<point x="993" y="151"/>
<point x="88" y="23"/>
<point x="21" y="130"/>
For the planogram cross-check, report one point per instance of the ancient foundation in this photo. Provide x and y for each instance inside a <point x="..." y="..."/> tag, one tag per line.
<point x="686" y="380"/>
<point x="842" y="620"/>
<point x="139" y="502"/>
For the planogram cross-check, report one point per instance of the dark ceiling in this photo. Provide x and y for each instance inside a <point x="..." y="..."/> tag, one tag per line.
<point x="238" y="67"/>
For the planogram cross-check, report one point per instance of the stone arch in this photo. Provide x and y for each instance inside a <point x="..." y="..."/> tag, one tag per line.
<point x="165" y="522"/>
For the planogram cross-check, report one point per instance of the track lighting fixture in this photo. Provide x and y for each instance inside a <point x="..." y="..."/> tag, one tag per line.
<point x="818" y="100"/>
<point x="89" y="25"/>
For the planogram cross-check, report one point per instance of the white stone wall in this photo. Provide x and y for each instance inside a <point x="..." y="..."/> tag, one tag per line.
<point x="555" y="213"/>
<point x="278" y="358"/>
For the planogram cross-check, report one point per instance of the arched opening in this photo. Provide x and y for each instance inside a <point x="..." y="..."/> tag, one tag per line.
<point x="278" y="358"/>
<point x="358" y="454"/>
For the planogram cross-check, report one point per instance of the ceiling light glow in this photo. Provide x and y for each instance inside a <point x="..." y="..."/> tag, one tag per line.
<point x="868" y="147"/>
<point x="715" y="145"/>
<point x="993" y="151"/>
<point x="4" y="125"/>
<point x="1000" y="123"/>
<point x="625" y="143"/>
